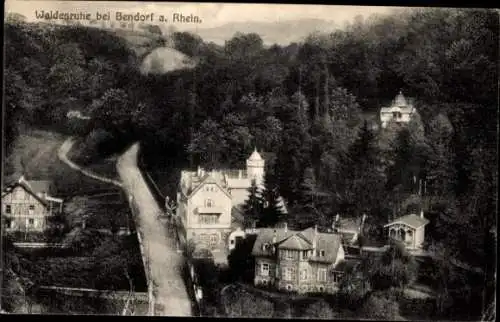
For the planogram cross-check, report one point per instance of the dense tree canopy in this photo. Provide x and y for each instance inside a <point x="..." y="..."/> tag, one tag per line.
<point x="305" y="102"/>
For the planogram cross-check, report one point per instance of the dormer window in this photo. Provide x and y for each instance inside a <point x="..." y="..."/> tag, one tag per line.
<point x="209" y="203"/>
<point x="265" y="247"/>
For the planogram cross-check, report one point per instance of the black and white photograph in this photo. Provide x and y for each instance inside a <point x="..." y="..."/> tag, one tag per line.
<point x="230" y="160"/>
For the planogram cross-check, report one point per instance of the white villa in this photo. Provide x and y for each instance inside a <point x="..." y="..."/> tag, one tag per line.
<point x="410" y="229"/>
<point x="400" y="111"/>
<point x="208" y="202"/>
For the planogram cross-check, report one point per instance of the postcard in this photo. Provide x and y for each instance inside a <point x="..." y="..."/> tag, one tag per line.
<point x="249" y="160"/>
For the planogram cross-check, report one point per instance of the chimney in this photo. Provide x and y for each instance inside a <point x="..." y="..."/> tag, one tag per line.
<point x="239" y="174"/>
<point x="286" y="227"/>
<point x="274" y="237"/>
<point x="21" y="179"/>
<point x="198" y="172"/>
<point x="421" y="214"/>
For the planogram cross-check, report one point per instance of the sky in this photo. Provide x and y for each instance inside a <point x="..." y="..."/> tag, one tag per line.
<point x="212" y="14"/>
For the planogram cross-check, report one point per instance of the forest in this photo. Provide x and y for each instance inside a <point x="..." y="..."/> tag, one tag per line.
<point x="308" y="103"/>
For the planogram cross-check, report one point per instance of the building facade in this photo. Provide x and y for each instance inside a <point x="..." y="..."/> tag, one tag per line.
<point x="399" y="112"/>
<point x="207" y="201"/>
<point x="299" y="261"/>
<point x="27" y="206"/>
<point x="409" y="229"/>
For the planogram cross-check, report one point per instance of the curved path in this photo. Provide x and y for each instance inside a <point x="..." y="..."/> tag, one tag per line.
<point x="63" y="156"/>
<point x="165" y="263"/>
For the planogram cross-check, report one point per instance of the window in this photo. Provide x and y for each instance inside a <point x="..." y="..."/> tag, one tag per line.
<point x="288" y="254"/>
<point x="289" y="272"/>
<point x="396" y="115"/>
<point x="336" y="277"/>
<point x="209" y="203"/>
<point x="8" y="209"/>
<point x="322" y="253"/>
<point x="209" y="219"/>
<point x="213" y="240"/>
<point x="26" y="196"/>
<point x="211" y="188"/>
<point x="303" y="275"/>
<point x="264" y="269"/>
<point x="31" y="209"/>
<point x="31" y="222"/>
<point x="322" y="274"/>
<point x="265" y="247"/>
<point x="305" y="254"/>
<point x="8" y="223"/>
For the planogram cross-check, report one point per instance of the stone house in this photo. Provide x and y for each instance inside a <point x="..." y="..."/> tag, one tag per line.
<point x="409" y="229"/>
<point x="208" y="202"/>
<point x="27" y="205"/>
<point x="301" y="261"/>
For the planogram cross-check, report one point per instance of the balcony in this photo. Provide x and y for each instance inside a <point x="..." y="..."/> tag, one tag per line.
<point x="209" y="210"/>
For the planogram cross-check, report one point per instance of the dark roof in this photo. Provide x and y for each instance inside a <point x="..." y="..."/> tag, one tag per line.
<point x="298" y="240"/>
<point x="27" y="188"/>
<point x="208" y="179"/>
<point x="412" y="220"/>
<point x="40" y="186"/>
<point x="347" y="265"/>
<point x="265" y="236"/>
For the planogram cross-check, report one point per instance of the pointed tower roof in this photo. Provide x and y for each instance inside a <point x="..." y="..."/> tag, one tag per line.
<point x="400" y="100"/>
<point x="255" y="156"/>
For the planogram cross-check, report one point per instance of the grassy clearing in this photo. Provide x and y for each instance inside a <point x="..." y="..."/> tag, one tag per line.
<point x="34" y="155"/>
<point x="83" y="153"/>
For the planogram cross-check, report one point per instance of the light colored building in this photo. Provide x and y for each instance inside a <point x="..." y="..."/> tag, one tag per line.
<point x="399" y="112"/>
<point x="208" y="202"/>
<point x="27" y="205"/>
<point x="302" y="261"/>
<point x="409" y="229"/>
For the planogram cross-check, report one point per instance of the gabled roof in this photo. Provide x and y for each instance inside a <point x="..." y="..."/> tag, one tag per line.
<point x="40" y="186"/>
<point x="208" y="179"/>
<point x="411" y="220"/>
<point x="347" y="265"/>
<point x="265" y="236"/>
<point x="27" y="188"/>
<point x="299" y="240"/>
<point x="296" y="242"/>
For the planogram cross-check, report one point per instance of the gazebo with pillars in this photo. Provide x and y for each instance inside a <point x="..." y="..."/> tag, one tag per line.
<point x="409" y="229"/>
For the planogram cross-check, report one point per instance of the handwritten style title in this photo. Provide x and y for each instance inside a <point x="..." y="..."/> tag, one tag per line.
<point x="118" y="16"/>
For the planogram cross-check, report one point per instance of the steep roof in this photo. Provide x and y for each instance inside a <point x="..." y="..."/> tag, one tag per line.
<point x="298" y="240"/>
<point x="255" y="156"/>
<point x="208" y="179"/>
<point x="40" y="186"/>
<point x="27" y="188"/>
<point x="265" y="236"/>
<point x="400" y="100"/>
<point x="411" y="220"/>
<point x="347" y="265"/>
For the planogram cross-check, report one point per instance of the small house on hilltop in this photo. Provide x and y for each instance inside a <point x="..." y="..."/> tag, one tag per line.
<point x="400" y="111"/>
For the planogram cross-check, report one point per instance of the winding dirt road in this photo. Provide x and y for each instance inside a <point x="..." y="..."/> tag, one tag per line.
<point x="160" y="245"/>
